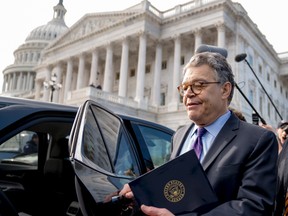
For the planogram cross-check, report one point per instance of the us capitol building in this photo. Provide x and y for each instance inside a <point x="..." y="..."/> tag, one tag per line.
<point x="131" y="61"/>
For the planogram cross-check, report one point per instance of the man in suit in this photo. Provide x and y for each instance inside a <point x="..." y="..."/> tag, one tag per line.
<point x="32" y="145"/>
<point x="239" y="158"/>
<point x="282" y="131"/>
<point x="282" y="185"/>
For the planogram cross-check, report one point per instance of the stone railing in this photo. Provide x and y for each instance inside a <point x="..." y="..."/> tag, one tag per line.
<point x="94" y="93"/>
<point x="283" y="55"/>
<point x="29" y="94"/>
<point x="178" y="9"/>
<point x="91" y="92"/>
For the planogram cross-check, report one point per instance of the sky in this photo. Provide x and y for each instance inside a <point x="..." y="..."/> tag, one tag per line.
<point x="19" y="17"/>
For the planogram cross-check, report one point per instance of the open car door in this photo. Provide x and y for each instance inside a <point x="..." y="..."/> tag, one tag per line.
<point x="104" y="158"/>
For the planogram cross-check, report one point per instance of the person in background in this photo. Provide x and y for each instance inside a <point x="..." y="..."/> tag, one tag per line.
<point x="238" y="158"/>
<point x="32" y="145"/>
<point x="238" y="114"/>
<point x="282" y="183"/>
<point x="282" y="132"/>
<point x="267" y="126"/>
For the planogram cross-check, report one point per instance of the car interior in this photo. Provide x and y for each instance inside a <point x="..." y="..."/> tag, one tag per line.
<point x="40" y="183"/>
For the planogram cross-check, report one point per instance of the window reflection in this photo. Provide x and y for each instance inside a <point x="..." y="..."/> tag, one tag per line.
<point x="158" y="144"/>
<point x="21" y="149"/>
<point x="93" y="146"/>
<point x="106" y="145"/>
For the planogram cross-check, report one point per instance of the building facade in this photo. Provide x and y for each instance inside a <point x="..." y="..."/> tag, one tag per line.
<point x="131" y="61"/>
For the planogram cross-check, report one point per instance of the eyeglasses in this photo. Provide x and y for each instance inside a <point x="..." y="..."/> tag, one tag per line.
<point x="195" y="87"/>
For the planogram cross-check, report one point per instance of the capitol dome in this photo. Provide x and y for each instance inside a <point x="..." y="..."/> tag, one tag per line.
<point x="52" y="29"/>
<point x="19" y="78"/>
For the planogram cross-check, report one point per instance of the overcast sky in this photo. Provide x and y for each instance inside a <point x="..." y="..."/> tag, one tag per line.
<point x="19" y="17"/>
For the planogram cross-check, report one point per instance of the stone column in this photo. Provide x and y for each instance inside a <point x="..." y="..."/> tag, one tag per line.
<point x="32" y="80"/>
<point x="9" y="82"/>
<point x="81" y="68"/>
<point x="141" y="69"/>
<point x="198" y="38"/>
<point x="27" y="81"/>
<point x="38" y="86"/>
<point x="4" y="83"/>
<point x="46" y="92"/>
<point x="14" y="79"/>
<point x="94" y="68"/>
<point x="176" y="70"/>
<point x="124" y="68"/>
<point x="108" y="74"/>
<point x="19" y="81"/>
<point x="156" y="91"/>
<point x="221" y="35"/>
<point x="56" y="93"/>
<point x="68" y="80"/>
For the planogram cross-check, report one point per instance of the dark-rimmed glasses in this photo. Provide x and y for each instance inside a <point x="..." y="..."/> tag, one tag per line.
<point x="195" y="87"/>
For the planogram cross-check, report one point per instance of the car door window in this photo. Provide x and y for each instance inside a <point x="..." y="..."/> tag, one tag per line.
<point x="105" y="143"/>
<point x="93" y="146"/>
<point x="21" y="149"/>
<point x="158" y="144"/>
<point x="123" y="160"/>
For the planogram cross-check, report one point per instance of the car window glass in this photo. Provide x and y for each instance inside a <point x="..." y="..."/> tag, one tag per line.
<point x="106" y="145"/>
<point x="109" y="126"/>
<point x="93" y="146"/>
<point x="20" y="149"/>
<point x="158" y="143"/>
<point x="123" y="160"/>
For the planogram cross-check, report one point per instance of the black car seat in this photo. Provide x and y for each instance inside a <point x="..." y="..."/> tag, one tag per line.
<point x="59" y="178"/>
<point x="6" y="207"/>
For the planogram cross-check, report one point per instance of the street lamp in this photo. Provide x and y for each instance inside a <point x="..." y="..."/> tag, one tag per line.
<point x="52" y="85"/>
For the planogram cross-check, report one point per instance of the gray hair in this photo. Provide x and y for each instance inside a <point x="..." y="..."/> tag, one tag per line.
<point x="217" y="62"/>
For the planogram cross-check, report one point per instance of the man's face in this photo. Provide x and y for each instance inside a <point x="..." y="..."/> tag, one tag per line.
<point x="281" y="131"/>
<point x="36" y="140"/>
<point x="206" y="107"/>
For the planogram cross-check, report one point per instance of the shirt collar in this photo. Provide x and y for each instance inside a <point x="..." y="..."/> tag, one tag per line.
<point x="216" y="126"/>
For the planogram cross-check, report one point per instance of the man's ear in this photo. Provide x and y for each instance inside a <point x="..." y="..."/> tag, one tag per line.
<point x="226" y="90"/>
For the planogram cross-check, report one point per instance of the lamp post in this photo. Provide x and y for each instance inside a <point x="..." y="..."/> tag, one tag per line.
<point x="52" y="85"/>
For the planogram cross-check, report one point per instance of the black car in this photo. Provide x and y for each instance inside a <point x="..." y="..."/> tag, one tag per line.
<point x="82" y="159"/>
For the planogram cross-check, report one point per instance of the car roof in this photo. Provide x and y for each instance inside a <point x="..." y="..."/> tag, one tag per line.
<point x="9" y="101"/>
<point x="22" y="107"/>
<point x="14" y="109"/>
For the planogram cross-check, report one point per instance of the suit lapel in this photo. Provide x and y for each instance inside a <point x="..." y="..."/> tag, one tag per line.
<point x="225" y="136"/>
<point x="179" y="139"/>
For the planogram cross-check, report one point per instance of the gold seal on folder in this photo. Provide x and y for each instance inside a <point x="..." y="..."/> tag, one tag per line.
<point x="174" y="191"/>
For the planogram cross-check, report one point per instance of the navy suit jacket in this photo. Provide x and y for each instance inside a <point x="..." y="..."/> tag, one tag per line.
<point x="241" y="166"/>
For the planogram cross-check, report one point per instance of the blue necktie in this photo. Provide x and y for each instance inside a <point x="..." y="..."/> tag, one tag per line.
<point x="198" y="146"/>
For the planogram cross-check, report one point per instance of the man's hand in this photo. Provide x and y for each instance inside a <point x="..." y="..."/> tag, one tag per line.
<point x="148" y="210"/>
<point x="126" y="192"/>
<point x="153" y="211"/>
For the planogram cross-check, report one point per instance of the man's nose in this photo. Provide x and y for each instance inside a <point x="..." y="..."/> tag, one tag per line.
<point x="189" y="91"/>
